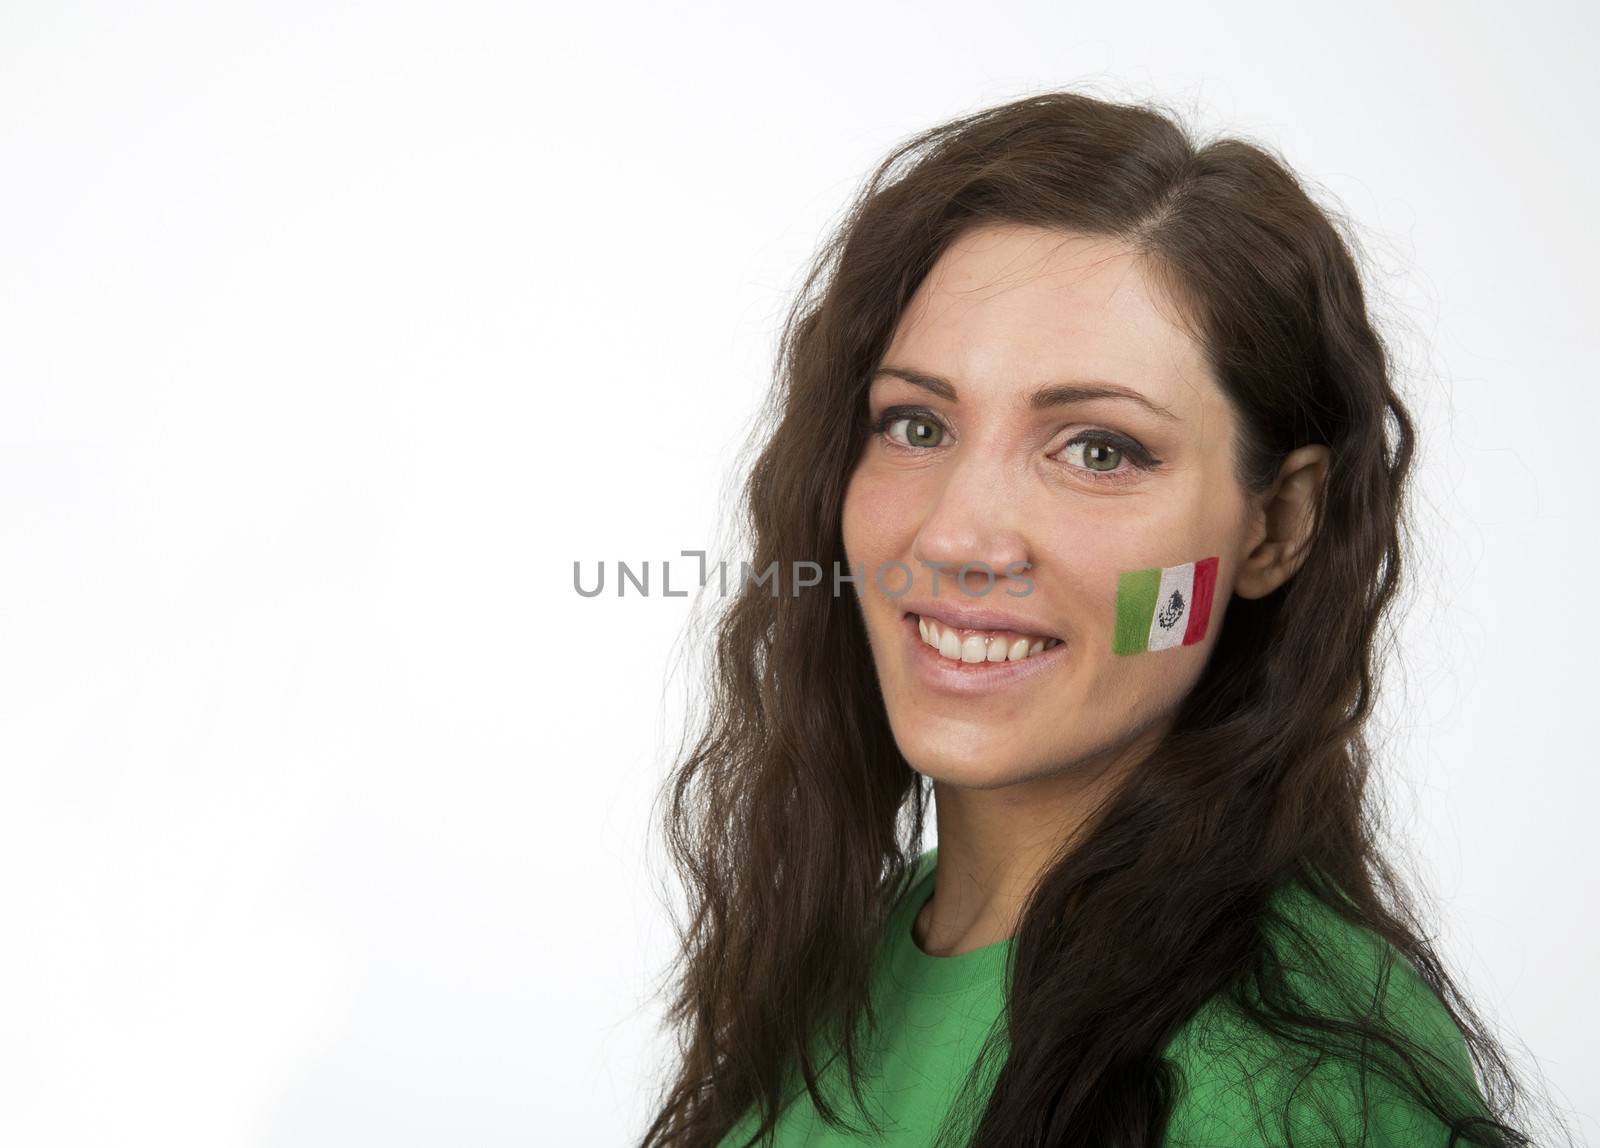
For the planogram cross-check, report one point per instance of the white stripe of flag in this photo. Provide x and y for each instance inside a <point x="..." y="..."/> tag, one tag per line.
<point x="1173" y="599"/>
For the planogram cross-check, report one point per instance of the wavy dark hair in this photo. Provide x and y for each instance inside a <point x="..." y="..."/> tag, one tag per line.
<point x="794" y="820"/>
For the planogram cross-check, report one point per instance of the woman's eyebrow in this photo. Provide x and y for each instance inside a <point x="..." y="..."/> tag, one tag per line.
<point x="1053" y="395"/>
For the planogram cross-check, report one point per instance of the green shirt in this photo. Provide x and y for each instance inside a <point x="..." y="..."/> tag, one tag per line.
<point x="1236" y="1088"/>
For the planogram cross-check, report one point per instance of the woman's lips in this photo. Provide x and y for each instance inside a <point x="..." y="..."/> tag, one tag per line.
<point x="980" y="644"/>
<point x="953" y="676"/>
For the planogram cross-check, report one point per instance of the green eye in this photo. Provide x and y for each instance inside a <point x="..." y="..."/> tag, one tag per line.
<point x="914" y="430"/>
<point x="1096" y="452"/>
<point x="1102" y="453"/>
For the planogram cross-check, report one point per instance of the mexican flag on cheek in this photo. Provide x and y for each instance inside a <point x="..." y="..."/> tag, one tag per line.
<point x="1163" y="606"/>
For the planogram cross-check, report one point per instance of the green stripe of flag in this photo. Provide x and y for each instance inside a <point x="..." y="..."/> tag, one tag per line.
<point x="1136" y="605"/>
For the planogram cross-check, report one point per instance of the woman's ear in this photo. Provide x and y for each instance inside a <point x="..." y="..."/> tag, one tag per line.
<point x="1282" y="524"/>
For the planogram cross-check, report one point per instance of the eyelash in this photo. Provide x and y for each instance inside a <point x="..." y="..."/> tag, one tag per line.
<point x="1136" y="454"/>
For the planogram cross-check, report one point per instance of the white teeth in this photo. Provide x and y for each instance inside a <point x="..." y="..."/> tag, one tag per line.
<point x="977" y="647"/>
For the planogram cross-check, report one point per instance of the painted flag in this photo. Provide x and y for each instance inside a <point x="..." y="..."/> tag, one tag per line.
<point x="1164" y="606"/>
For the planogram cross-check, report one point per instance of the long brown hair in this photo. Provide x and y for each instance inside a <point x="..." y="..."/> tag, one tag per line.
<point x="793" y="819"/>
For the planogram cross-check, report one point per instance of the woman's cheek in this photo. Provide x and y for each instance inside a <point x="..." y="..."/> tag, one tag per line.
<point x="877" y="515"/>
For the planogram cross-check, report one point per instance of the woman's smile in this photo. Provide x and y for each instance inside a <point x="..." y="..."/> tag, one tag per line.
<point x="966" y="661"/>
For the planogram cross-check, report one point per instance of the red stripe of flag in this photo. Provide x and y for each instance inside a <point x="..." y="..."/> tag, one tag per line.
<point x="1205" y="581"/>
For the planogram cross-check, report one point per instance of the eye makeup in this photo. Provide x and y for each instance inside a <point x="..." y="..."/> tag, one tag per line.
<point x="1136" y="455"/>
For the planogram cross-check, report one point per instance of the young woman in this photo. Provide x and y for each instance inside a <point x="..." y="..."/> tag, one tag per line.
<point x="1089" y="432"/>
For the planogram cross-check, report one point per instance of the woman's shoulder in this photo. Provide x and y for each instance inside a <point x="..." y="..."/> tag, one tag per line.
<point x="1242" y="1086"/>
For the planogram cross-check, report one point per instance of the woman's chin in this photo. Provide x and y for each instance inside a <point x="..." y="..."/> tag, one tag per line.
<point x="970" y="763"/>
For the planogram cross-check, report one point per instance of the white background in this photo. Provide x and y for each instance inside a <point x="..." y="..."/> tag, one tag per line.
<point x="332" y="335"/>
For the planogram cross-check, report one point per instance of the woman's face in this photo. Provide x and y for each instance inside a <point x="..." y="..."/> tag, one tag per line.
<point x="985" y="458"/>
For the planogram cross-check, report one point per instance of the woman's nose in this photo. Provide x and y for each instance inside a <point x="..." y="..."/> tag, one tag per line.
<point x="973" y="534"/>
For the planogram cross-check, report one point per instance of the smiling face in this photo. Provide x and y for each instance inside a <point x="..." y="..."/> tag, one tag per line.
<point x="989" y="451"/>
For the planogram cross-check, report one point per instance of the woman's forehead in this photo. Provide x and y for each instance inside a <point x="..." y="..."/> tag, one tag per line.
<point x="1008" y="312"/>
